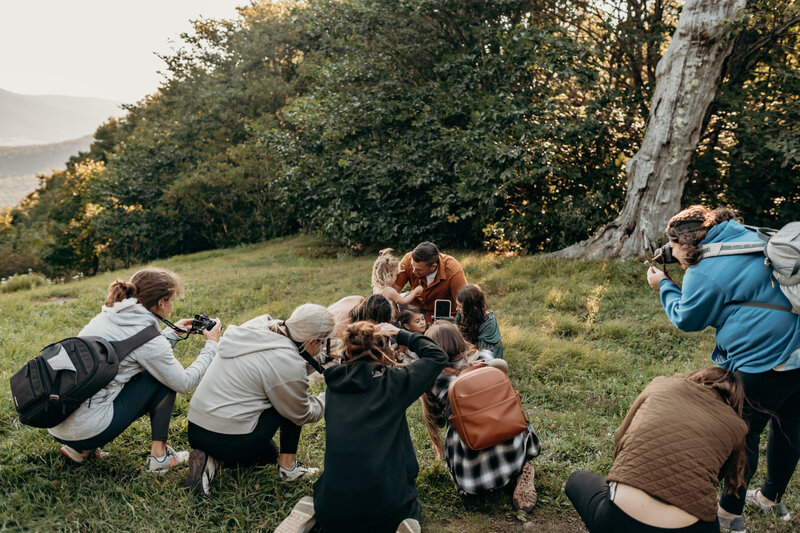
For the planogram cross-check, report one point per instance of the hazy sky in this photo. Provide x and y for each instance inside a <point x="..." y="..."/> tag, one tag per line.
<point x="101" y="48"/>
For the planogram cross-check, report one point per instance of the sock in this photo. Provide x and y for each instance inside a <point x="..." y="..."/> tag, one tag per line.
<point x="162" y="458"/>
<point x="291" y="467"/>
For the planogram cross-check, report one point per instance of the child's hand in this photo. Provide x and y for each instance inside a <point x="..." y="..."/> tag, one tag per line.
<point x="417" y="290"/>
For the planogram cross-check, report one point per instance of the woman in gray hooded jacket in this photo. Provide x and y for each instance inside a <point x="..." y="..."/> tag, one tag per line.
<point x="259" y="383"/>
<point x="148" y="377"/>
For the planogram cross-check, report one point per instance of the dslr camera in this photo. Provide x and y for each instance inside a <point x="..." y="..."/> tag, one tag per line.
<point x="202" y="323"/>
<point x="664" y="255"/>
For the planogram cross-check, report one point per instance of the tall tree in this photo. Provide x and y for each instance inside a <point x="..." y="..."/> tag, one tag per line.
<point x="687" y="80"/>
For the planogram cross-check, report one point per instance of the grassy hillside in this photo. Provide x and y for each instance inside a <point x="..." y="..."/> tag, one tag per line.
<point x="19" y="165"/>
<point x="582" y="340"/>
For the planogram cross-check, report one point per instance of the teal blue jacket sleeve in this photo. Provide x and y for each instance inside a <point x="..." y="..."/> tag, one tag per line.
<point x="695" y="307"/>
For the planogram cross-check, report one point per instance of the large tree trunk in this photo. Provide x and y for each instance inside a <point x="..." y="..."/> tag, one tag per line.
<point x="687" y="80"/>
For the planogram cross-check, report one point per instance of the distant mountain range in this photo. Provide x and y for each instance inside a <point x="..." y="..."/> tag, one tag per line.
<point x="39" y="133"/>
<point x="27" y="119"/>
<point x="20" y="165"/>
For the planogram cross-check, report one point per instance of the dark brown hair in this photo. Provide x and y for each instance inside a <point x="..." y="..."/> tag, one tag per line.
<point x="731" y="391"/>
<point x="426" y="252"/>
<point x="148" y="285"/>
<point x="473" y="311"/>
<point x="407" y="314"/>
<point x="376" y="309"/>
<point x="691" y="225"/>
<point x="363" y="341"/>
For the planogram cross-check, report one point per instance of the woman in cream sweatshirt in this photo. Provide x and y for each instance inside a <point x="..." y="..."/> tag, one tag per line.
<point x="259" y="383"/>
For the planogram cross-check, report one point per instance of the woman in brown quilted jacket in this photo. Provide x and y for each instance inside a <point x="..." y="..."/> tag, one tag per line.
<point x="681" y="436"/>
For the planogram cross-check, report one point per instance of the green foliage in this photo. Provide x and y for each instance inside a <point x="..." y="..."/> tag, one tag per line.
<point x="22" y="282"/>
<point x="504" y="123"/>
<point x="582" y="340"/>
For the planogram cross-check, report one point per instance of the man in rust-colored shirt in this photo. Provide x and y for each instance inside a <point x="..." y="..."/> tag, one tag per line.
<point x="440" y="275"/>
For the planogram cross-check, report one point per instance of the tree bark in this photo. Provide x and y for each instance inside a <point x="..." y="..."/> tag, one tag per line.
<point x="687" y="80"/>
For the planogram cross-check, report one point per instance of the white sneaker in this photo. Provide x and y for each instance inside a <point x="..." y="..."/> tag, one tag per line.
<point x="161" y="465"/>
<point x="775" y="509"/>
<point x="202" y="468"/>
<point x="409" y="525"/>
<point x="296" y="472"/>
<point x="301" y="519"/>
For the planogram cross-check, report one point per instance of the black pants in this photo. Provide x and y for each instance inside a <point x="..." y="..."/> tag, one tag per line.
<point x="775" y="398"/>
<point x="255" y="448"/>
<point x="142" y="394"/>
<point x="589" y="493"/>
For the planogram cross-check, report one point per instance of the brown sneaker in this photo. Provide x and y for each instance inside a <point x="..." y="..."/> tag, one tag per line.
<point x="525" y="492"/>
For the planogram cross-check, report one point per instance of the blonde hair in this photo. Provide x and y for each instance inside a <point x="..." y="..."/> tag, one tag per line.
<point x="149" y="285"/>
<point x="384" y="267"/>
<point x="306" y="323"/>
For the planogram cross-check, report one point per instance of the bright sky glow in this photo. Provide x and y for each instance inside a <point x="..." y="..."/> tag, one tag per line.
<point x="100" y="48"/>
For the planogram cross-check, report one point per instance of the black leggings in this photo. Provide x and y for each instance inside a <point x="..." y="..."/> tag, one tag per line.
<point x="589" y="494"/>
<point x="778" y="393"/>
<point x="255" y="448"/>
<point x="142" y="394"/>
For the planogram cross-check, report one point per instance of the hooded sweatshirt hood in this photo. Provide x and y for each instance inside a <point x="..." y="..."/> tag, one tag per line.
<point x="251" y="337"/>
<point x="352" y="377"/>
<point x="489" y="332"/>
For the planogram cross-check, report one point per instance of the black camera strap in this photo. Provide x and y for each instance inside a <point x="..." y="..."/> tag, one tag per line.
<point x="303" y="353"/>
<point x="176" y="329"/>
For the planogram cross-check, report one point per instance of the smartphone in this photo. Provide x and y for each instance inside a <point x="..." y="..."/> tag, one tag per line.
<point x="442" y="310"/>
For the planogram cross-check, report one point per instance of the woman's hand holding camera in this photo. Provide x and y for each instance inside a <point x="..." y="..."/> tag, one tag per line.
<point x="214" y="333"/>
<point x="654" y="277"/>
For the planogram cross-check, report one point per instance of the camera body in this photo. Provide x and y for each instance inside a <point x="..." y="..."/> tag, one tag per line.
<point x="202" y="323"/>
<point x="664" y="255"/>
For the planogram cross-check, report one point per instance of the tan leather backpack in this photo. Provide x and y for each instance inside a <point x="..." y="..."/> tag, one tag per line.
<point x="485" y="408"/>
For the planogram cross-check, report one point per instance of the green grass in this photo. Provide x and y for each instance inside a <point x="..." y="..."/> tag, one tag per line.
<point x="582" y="339"/>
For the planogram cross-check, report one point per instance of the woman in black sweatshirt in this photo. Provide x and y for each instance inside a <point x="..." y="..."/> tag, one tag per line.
<point x="369" y="480"/>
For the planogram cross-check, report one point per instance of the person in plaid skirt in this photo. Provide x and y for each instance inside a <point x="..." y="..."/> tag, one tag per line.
<point x="477" y="471"/>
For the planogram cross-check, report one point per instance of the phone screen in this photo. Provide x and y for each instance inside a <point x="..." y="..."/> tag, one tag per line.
<point x="441" y="308"/>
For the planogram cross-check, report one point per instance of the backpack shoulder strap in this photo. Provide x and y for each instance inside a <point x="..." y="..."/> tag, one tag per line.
<point x="764" y="305"/>
<point x="126" y="346"/>
<point x="716" y="249"/>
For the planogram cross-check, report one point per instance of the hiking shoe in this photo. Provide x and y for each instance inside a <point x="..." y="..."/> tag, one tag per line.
<point x="775" y="509"/>
<point x="164" y="464"/>
<point x="732" y="524"/>
<point x="202" y="468"/>
<point x="301" y="519"/>
<point x="78" y="457"/>
<point x="409" y="525"/>
<point x="524" y="496"/>
<point x="296" y="472"/>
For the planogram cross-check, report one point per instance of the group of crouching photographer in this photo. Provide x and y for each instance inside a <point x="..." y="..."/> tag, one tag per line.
<point x="682" y="435"/>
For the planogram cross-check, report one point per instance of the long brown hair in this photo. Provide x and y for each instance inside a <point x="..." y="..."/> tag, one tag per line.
<point x="363" y="341"/>
<point x="731" y="391"/>
<point x="690" y="226"/>
<point x="149" y="285"/>
<point x="473" y="311"/>
<point x="448" y="337"/>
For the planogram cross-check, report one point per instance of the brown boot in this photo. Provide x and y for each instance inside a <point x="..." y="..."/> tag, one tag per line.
<point x="525" y="492"/>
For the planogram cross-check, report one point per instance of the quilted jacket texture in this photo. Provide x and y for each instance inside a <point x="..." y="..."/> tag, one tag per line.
<point x="674" y="442"/>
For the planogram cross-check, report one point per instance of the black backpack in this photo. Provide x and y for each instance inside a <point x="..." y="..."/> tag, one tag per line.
<point x="55" y="383"/>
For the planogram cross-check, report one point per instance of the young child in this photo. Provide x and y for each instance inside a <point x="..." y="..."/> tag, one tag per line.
<point x="478" y="325"/>
<point x="384" y="273"/>
<point x="412" y="319"/>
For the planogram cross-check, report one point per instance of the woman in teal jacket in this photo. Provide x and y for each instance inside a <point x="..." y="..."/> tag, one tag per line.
<point x="762" y="345"/>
